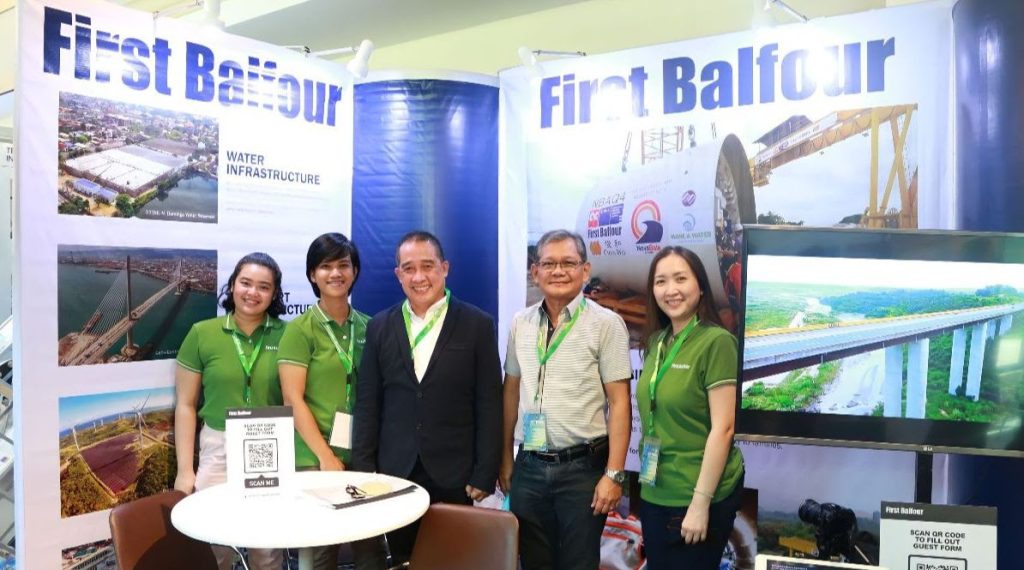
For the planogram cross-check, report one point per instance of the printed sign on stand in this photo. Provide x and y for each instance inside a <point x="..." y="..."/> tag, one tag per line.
<point x="917" y="536"/>
<point x="785" y="563"/>
<point x="260" y="446"/>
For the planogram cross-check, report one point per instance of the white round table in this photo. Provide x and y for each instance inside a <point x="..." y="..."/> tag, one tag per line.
<point x="292" y="518"/>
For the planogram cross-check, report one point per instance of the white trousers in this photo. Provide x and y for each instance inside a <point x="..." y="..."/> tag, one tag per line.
<point x="212" y="471"/>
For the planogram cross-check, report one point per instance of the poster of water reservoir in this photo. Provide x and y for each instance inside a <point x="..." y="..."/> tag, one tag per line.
<point x="880" y="337"/>
<point x="122" y="160"/>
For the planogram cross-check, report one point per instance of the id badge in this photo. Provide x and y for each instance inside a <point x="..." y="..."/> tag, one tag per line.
<point x="649" y="460"/>
<point x="535" y="432"/>
<point x="341" y="431"/>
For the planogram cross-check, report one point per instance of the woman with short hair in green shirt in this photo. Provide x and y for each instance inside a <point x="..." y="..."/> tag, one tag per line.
<point x="317" y="362"/>
<point x="232" y="359"/>
<point x="691" y="474"/>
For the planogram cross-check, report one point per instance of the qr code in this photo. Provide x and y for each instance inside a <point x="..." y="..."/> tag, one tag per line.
<point x="260" y="455"/>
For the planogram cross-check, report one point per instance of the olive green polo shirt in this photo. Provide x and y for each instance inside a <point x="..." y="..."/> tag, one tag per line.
<point x="209" y="350"/>
<point x="306" y="343"/>
<point x="706" y="360"/>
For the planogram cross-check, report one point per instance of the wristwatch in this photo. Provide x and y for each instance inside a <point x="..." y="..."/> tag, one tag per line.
<point x="616" y="475"/>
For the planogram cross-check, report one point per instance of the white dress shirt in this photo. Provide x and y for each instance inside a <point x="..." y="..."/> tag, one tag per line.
<point x="421" y="354"/>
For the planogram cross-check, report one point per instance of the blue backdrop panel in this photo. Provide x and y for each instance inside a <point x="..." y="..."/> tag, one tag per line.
<point x="990" y="197"/>
<point x="426" y="157"/>
<point x="989" y="116"/>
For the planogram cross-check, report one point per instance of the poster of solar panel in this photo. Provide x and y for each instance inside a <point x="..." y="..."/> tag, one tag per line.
<point x="115" y="447"/>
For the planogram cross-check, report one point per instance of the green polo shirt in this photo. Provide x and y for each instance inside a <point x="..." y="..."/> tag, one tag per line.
<point x="706" y="360"/>
<point x="209" y="350"/>
<point x="306" y="343"/>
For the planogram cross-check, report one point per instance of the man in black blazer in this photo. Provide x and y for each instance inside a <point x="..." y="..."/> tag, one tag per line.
<point x="428" y="400"/>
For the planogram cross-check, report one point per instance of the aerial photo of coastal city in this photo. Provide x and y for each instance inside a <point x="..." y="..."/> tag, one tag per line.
<point x="121" y="160"/>
<point x="120" y="304"/>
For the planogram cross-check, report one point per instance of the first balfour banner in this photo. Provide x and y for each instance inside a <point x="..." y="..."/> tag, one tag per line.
<point x="834" y="122"/>
<point x="153" y="154"/>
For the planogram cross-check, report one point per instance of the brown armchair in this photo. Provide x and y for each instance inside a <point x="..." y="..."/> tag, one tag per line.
<point x="455" y="537"/>
<point x="145" y="539"/>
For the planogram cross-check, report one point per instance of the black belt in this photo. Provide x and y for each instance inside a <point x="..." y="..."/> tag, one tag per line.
<point x="570" y="453"/>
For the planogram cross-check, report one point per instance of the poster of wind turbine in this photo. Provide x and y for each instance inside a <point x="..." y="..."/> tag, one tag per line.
<point x="115" y="447"/>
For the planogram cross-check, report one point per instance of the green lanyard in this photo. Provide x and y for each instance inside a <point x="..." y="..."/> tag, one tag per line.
<point x="344" y="357"/>
<point x="663" y="366"/>
<point x="407" y="316"/>
<point x="545" y="353"/>
<point x="248" y="363"/>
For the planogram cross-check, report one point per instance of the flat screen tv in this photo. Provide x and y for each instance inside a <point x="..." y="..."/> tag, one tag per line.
<point x="890" y="339"/>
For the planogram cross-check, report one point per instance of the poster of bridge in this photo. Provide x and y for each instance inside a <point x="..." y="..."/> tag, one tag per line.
<point x="882" y="337"/>
<point x="121" y="160"/>
<point x="118" y="304"/>
<point x="115" y="447"/>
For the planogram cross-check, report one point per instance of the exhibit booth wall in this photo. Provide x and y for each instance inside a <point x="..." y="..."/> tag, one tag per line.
<point x="839" y="121"/>
<point x="989" y="158"/>
<point x="679" y="143"/>
<point x="152" y="155"/>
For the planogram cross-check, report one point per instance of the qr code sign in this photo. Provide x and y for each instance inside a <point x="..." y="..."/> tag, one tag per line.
<point x="260" y="455"/>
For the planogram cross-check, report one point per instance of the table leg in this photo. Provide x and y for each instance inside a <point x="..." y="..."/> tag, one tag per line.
<point x="305" y="559"/>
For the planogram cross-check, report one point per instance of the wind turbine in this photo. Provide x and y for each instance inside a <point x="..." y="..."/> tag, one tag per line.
<point x="140" y="422"/>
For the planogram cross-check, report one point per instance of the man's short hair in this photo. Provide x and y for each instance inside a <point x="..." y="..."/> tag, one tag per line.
<point x="562" y="235"/>
<point x="420" y="235"/>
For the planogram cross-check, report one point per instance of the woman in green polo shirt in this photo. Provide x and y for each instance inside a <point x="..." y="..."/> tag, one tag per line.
<point x="691" y="474"/>
<point x="233" y="361"/>
<point x="317" y="362"/>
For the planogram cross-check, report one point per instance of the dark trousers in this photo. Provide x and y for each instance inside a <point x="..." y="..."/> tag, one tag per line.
<point x="557" y="525"/>
<point x="369" y="553"/>
<point x="664" y="544"/>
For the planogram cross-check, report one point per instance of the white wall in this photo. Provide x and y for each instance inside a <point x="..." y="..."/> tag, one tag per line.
<point x="6" y="247"/>
<point x="597" y="26"/>
<point x="8" y="17"/>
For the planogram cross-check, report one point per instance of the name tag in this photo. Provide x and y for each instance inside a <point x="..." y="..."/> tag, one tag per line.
<point x="341" y="431"/>
<point x="649" y="460"/>
<point x="535" y="433"/>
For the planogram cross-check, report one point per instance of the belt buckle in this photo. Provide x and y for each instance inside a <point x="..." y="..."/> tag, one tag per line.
<point x="549" y="456"/>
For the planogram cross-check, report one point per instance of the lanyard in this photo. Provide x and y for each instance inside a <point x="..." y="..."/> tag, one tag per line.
<point x="247" y="363"/>
<point x="663" y="366"/>
<point x="406" y="315"/>
<point x="545" y="353"/>
<point x="344" y="357"/>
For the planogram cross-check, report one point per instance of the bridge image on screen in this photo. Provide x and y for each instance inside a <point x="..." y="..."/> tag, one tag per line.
<point x="938" y="340"/>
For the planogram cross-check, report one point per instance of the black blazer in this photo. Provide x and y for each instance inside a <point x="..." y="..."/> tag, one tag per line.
<point x="451" y="420"/>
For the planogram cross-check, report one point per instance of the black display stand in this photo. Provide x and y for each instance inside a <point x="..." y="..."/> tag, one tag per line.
<point x="923" y="477"/>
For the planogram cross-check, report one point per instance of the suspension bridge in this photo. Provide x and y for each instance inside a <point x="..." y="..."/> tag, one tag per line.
<point x="114" y="318"/>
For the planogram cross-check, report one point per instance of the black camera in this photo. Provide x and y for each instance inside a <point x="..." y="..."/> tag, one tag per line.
<point x="835" y="530"/>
